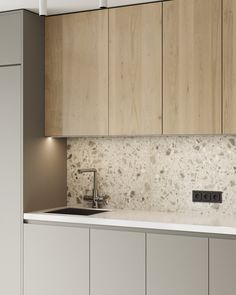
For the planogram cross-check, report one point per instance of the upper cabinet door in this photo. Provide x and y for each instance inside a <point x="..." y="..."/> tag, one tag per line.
<point x="77" y="74"/>
<point x="10" y="38"/>
<point x="192" y="67"/>
<point x="229" y="68"/>
<point x="135" y="70"/>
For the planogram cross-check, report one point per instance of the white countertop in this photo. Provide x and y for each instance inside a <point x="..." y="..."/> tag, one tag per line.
<point x="147" y="220"/>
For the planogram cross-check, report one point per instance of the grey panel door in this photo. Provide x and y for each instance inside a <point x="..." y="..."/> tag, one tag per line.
<point x="222" y="267"/>
<point x="10" y="179"/>
<point x="117" y="263"/>
<point x="56" y="260"/>
<point x="177" y="265"/>
<point x="10" y="38"/>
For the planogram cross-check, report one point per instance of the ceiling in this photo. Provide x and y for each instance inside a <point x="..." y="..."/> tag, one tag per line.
<point x="62" y="6"/>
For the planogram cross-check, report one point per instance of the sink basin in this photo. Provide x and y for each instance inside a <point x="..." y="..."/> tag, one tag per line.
<point x="77" y="211"/>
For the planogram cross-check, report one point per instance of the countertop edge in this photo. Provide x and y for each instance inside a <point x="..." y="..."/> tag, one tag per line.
<point x="123" y="223"/>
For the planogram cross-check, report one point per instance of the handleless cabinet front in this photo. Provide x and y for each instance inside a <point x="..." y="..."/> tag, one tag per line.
<point x="10" y="175"/>
<point x="76" y="90"/>
<point x="10" y="38"/>
<point x="56" y="260"/>
<point x="192" y="43"/>
<point x="229" y="66"/>
<point x="222" y="266"/>
<point x="117" y="263"/>
<point x="135" y="70"/>
<point x="177" y="265"/>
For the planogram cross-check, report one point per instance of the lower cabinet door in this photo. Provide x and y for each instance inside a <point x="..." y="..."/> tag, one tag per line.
<point x="117" y="263"/>
<point x="177" y="265"/>
<point x="56" y="260"/>
<point x="222" y="267"/>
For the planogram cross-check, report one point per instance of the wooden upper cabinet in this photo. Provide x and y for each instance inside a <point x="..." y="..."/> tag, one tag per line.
<point x="229" y="68"/>
<point x="77" y="74"/>
<point x="135" y="70"/>
<point x="192" y="67"/>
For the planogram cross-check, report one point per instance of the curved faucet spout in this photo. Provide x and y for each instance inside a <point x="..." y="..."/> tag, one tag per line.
<point x="95" y="192"/>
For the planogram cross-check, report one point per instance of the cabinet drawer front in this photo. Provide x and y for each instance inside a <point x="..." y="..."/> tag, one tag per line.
<point x="56" y="260"/>
<point x="177" y="265"/>
<point x="117" y="263"/>
<point x="10" y="38"/>
<point x="222" y="267"/>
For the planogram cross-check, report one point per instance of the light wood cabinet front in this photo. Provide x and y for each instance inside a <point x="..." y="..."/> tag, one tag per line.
<point x="135" y="70"/>
<point x="229" y="67"/>
<point x="77" y="74"/>
<point x="192" y="67"/>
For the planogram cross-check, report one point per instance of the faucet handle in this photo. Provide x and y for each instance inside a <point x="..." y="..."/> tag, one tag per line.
<point x="105" y="200"/>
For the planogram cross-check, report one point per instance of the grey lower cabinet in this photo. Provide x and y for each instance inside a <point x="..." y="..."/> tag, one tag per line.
<point x="56" y="260"/>
<point x="117" y="262"/>
<point x="10" y="38"/>
<point x="222" y="267"/>
<point x="177" y="265"/>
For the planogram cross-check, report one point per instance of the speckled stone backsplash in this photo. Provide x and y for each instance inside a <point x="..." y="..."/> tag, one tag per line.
<point x="155" y="173"/>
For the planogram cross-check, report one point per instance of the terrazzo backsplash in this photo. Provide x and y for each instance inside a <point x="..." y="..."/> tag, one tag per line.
<point x="155" y="173"/>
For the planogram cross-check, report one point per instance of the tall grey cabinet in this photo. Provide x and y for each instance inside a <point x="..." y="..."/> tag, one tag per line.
<point x="10" y="176"/>
<point x="32" y="170"/>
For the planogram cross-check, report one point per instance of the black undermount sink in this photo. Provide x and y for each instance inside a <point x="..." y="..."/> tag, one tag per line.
<point x="77" y="211"/>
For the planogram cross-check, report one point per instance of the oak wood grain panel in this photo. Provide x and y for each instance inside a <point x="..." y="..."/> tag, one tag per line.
<point x="135" y="70"/>
<point x="229" y="67"/>
<point x="77" y="74"/>
<point x="192" y="67"/>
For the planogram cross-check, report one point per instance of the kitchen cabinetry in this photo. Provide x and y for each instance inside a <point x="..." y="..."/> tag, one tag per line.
<point x="229" y="66"/>
<point x="135" y="70"/>
<point x="10" y="175"/>
<point x="222" y="266"/>
<point x="117" y="262"/>
<point x="77" y="74"/>
<point x="64" y="259"/>
<point x="177" y="265"/>
<point x="56" y="260"/>
<point x="28" y="161"/>
<point x="192" y="67"/>
<point x="10" y="36"/>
